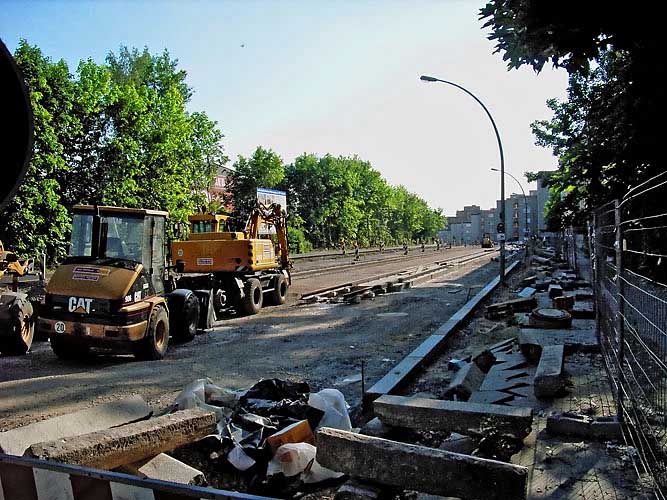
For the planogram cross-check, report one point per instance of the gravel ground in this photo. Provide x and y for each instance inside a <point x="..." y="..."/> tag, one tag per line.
<point x="319" y="343"/>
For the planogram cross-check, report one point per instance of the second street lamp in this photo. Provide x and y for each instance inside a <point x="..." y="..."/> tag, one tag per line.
<point x="427" y="78"/>
<point x="525" y="203"/>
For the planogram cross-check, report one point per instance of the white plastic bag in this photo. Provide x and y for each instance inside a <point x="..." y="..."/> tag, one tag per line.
<point x="333" y="404"/>
<point x="201" y="393"/>
<point x="299" y="458"/>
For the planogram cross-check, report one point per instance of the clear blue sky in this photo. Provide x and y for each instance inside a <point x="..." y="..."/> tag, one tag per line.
<point x="328" y="76"/>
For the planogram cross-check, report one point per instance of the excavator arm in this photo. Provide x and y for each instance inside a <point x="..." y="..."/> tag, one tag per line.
<point x="273" y="215"/>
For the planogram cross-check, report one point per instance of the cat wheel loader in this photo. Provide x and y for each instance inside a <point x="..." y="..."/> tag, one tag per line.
<point x="113" y="291"/>
<point x="116" y="292"/>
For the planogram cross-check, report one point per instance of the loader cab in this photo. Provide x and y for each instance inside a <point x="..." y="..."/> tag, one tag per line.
<point x="121" y="237"/>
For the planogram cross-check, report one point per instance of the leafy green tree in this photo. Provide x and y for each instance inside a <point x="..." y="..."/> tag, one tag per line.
<point x="604" y="134"/>
<point x="36" y="220"/>
<point x="116" y="133"/>
<point x="263" y="169"/>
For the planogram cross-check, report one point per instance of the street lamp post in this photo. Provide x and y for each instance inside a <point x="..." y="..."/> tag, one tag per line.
<point x="426" y="78"/>
<point x="525" y="202"/>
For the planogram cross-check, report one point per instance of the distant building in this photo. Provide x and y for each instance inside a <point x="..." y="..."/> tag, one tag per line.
<point x="524" y="217"/>
<point x="520" y="216"/>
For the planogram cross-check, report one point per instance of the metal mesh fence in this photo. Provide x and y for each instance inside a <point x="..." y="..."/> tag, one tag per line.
<point x="629" y="256"/>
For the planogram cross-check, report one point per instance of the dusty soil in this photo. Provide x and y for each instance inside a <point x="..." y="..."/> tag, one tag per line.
<point x="322" y="344"/>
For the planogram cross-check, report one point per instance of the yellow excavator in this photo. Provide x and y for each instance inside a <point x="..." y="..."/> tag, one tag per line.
<point x="243" y="270"/>
<point x="117" y="292"/>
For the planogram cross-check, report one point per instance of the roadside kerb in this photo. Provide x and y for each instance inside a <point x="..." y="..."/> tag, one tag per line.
<point x="403" y="372"/>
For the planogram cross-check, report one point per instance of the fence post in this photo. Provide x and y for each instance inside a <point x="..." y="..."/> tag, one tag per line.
<point x="620" y="312"/>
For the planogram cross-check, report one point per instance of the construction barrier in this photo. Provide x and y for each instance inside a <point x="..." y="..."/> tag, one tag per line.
<point x="31" y="479"/>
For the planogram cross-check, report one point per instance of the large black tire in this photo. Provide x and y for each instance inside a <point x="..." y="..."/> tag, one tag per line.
<point x="68" y="350"/>
<point x="184" y="319"/>
<point x="154" y="345"/>
<point x="278" y="295"/>
<point x="253" y="296"/>
<point x="21" y="332"/>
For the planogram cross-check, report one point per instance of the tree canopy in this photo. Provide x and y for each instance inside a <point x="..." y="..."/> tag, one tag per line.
<point x="333" y="199"/>
<point x="116" y="133"/>
<point x="604" y="134"/>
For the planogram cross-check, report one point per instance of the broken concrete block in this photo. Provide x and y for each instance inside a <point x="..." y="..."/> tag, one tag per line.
<point x="549" y="379"/>
<point x="573" y="424"/>
<point x="583" y="309"/>
<point x="358" y="490"/>
<point x="165" y="468"/>
<point x="420" y="468"/>
<point x="527" y="292"/>
<point x="458" y="416"/>
<point x="458" y="443"/>
<point x="528" y="281"/>
<point x="555" y="291"/>
<point x="376" y="428"/>
<point x="532" y="340"/>
<point x="129" y="443"/>
<point x="466" y="381"/>
<point x="97" y="418"/>
<point x="484" y="360"/>
<point x="507" y="307"/>
<point x="564" y="302"/>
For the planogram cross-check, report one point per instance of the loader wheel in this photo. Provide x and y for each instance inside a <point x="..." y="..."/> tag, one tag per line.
<point x="253" y="299"/>
<point x="22" y="331"/>
<point x="183" y="321"/>
<point x="154" y="345"/>
<point x="279" y="293"/>
<point x="65" y="349"/>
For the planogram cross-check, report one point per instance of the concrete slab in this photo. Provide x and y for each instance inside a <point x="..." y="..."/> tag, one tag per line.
<point x="420" y="468"/>
<point x="436" y="414"/>
<point x="97" y="418"/>
<point x="491" y="397"/>
<point x="572" y="424"/>
<point x="532" y="341"/>
<point x="394" y="379"/>
<point x="549" y="378"/>
<point x="129" y="443"/>
<point x="466" y="381"/>
<point x="430" y="347"/>
<point x="166" y="468"/>
<point x="499" y="379"/>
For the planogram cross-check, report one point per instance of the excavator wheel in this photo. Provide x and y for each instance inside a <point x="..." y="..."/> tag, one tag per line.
<point x="154" y="345"/>
<point x="21" y="330"/>
<point x="279" y="294"/>
<point x="253" y="296"/>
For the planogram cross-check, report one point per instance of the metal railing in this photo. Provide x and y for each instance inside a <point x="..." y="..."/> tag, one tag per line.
<point x="628" y="242"/>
